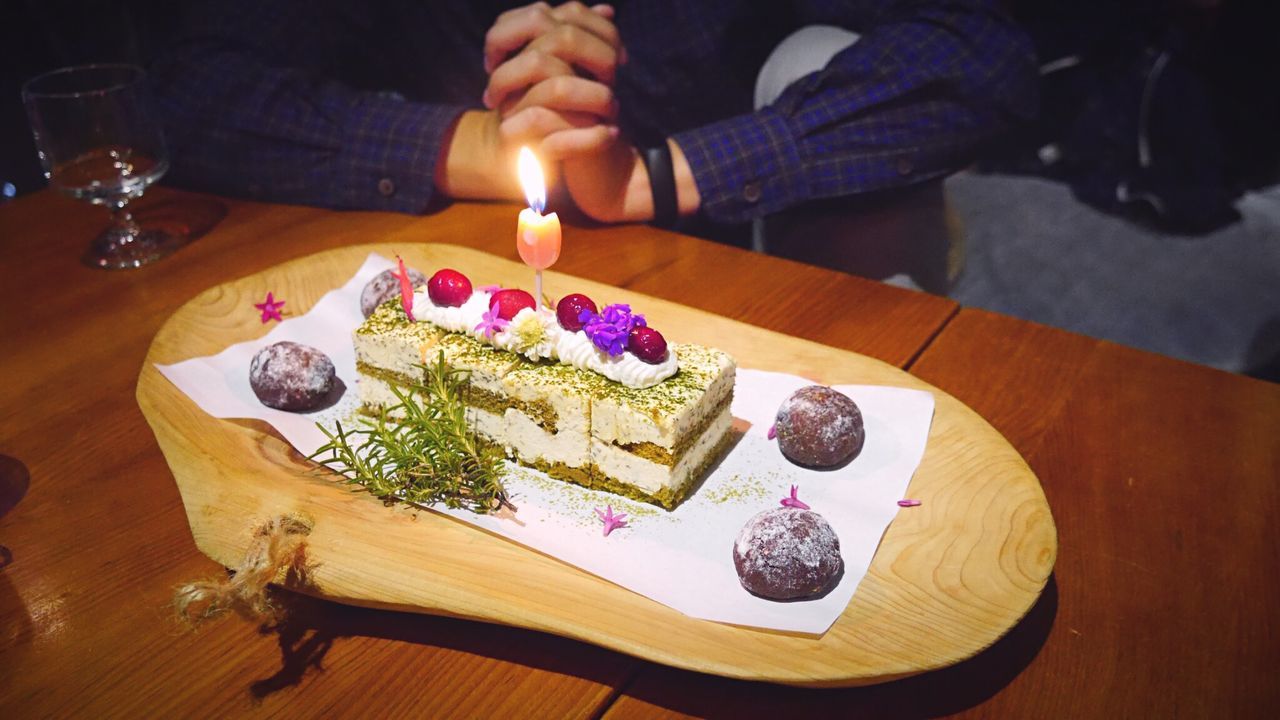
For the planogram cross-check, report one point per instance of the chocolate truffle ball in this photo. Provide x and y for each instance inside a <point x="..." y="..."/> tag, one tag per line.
<point x="291" y="376"/>
<point x="819" y="427"/>
<point x="383" y="287"/>
<point x="787" y="554"/>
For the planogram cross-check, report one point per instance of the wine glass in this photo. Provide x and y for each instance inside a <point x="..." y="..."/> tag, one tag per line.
<point x="98" y="141"/>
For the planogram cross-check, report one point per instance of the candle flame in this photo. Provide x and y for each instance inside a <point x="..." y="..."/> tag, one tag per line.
<point x="535" y="188"/>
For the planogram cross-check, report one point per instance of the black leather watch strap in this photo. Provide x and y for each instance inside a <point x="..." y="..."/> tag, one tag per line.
<point x="662" y="182"/>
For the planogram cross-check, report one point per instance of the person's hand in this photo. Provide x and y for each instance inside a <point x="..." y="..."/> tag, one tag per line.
<point x="555" y="91"/>
<point x="610" y="184"/>
<point x="613" y="185"/>
<point x="579" y="35"/>
<point x="562" y="117"/>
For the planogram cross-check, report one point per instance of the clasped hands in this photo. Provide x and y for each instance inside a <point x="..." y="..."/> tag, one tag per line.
<point x="551" y="77"/>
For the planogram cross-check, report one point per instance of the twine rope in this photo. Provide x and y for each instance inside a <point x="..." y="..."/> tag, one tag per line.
<point x="278" y="545"/>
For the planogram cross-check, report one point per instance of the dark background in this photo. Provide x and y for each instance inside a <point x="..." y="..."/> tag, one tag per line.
<point x="1217" y="128"/>
<point x="1231" y="46"/>
<point x="40" y="35"/>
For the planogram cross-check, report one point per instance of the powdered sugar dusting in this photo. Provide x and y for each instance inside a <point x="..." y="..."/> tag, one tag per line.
<point x="291" y="376"/>
<point x="787" y="553"/>
<point x="819" y="426"/>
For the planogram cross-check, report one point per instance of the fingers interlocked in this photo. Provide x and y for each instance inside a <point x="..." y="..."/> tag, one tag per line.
<point x="551" y="76"/>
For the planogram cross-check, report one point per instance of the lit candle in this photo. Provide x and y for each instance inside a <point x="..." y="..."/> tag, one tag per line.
<point x="537" y="235"/>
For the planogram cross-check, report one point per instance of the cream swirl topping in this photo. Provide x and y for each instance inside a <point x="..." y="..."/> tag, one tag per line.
<point x="576" y="349"/>
<point x="553" y="342"/>
<point x="462" y="318"/>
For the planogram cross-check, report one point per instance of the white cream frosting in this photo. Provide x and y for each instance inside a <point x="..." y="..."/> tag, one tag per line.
<point x="576" y="349"/>
<point x="463" y="318"/>
<point x="570" y="348"/>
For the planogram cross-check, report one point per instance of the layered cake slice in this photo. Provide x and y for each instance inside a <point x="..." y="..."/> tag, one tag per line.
<point x="660" y="440"/>
<point x="390" y="350"/>
<point x="581" y="401"/>
<point x="548" y="426"/>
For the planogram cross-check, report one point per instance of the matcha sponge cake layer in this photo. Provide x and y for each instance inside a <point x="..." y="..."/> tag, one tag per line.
<point x="650" y="444"/>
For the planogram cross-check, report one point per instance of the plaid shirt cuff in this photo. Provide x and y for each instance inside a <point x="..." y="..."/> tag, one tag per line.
<point x="388" y="155"/>
<point x="745" y="167"/>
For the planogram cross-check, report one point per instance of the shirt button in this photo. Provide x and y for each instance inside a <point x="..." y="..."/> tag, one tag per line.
<point x="387" y="187"/>
<point x="752" y="193"/>
<point x="904" y="166"/>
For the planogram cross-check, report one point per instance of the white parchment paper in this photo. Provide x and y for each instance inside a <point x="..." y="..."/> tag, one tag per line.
<point x="683" y="558"/>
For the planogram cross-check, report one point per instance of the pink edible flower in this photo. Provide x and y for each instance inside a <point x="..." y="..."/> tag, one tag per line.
<point x="611" y="522"/>
<point x="491" y="322"/>
<point x="908" y="502"/>
<point x="773" y="431"/>
<point x="270" y="308"/>
<point x="793" y="501"/>
<point x="406" y="289"/>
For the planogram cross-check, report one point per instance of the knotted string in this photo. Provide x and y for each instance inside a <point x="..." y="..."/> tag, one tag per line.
<point x="278" y="545"/>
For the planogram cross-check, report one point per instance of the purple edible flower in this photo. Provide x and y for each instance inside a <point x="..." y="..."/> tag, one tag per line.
<point x="620" y="315"/>
<point x="609" y="330"/>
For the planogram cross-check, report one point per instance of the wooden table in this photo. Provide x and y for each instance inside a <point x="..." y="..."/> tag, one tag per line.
<point x="1162" y="477"/>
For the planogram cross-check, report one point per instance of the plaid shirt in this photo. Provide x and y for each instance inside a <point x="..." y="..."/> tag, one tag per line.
<point x="346" y="105"/>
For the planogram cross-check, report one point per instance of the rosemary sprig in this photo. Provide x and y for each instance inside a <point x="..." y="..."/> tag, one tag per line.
<point x="420" y="451"/>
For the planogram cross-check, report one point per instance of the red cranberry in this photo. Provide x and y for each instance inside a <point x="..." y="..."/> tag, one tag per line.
<point x="510" y="302"/>
<point x="449" y="288"/>
<point x="647" y="344"/>
<point x="569" y="310"/>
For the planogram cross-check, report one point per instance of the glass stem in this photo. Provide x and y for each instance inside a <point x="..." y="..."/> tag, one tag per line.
<point x="123" y="226"/>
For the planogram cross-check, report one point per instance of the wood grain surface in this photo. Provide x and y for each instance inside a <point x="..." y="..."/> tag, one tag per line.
<point x="972" y="560"/>
<point x="94" y="550"/>
<point x="1162" y="603"/>
<point x="1162" y="478"/>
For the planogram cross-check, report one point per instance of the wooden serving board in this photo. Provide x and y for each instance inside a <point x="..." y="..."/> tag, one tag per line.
<point x="950" y="577"/>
